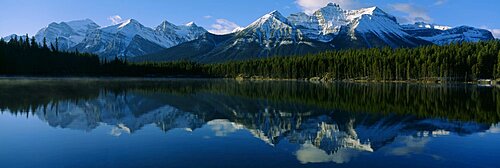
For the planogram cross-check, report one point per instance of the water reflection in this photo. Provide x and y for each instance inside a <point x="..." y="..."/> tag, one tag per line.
<point x="329" y="123"/>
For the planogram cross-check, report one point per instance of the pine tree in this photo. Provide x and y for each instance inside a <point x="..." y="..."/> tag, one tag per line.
<point x="33" y="43"/>
<point x="45" y="43"/>
<point x="57" y="44"/>
<point x="27" y="44"/>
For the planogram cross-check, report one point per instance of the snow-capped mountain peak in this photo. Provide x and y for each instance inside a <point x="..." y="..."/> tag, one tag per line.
<point x="370" y="11"/>
<point x="330" y="8"/>
<point x="129" y="22"/>
<point x="271" y="17"/>
<point x="165" y="26"/>
<point x="129" y="29"/>
<point x="191" y="24"/>
<point x="442" y="35"/>
<point x="375" y="18"/>
<point x="131" y="38"/>
<point x="328" y="27"/>
<point x="127" y="25"/>
<point x="80" y="25"/>
<point x="270" y="26"/>
<point x="68" y="34"/>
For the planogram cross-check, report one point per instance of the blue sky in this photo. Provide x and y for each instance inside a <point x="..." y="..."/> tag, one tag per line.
<point x="28" y="16"/>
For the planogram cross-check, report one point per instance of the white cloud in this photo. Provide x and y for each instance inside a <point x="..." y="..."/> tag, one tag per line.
<point x="409" y="145"/>
<point x="207" y="17"/>
<point x="495" y="32"/>
<point x="310" y="6"/>
<point x="119" y="130"/>
<point x="223" y="128"/>
<point x="495" y="128"/>
<point x="115" y="19"/>
<point x="309" y="153"/>
<point x="440" y="2"/>
<point x="223" y="26"/>
<point x="413" y="13"/>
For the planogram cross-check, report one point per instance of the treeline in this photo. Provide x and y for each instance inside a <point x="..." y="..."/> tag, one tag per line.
<point x="455" y="102"/>
<point x="460" y="61"/>
<point x="454" y="62"/>
<point x="25" y="57"/>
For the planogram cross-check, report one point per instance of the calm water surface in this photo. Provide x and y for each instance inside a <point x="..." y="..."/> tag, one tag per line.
<point x="216" y="123"/>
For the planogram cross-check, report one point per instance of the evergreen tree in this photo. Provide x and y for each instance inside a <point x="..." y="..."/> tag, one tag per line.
<point x="33" y="43"/>
<point x="45" y="43"/>
<point x="57" y="44"/>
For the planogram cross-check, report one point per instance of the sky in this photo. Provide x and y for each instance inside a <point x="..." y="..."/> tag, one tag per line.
<point x="222" y="16"/>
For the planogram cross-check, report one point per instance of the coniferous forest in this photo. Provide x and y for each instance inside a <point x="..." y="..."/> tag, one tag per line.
<point x="454" y="62"/>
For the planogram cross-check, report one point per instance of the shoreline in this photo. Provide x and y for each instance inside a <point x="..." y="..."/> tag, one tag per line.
<point x="414" y="81"/>
<point x="256" y="79"/>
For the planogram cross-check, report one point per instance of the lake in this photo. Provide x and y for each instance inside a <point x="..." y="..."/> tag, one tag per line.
<point x="224" y="123"/>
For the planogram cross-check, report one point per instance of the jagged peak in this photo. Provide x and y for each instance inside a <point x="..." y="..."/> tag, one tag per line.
<point x="54" y="24"/>
<point x="165" y="25"/>
<point x="74" y="23"/>
<point x="333" y="4"/>
<point x="331" y="7"/>
<point x="86" y="21"/>
<point x="191" y="24"/>
<point x="83" y="24"/>
<point x="373" y="11"/>
<point x="166" y="22"/>
<point x="274" y="14"/>
<point x="129" y="22"/>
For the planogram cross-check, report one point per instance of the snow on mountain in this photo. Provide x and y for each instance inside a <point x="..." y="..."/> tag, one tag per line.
<point x="330" y="27"/>
<point x="272" y="27"/>
<point x="366" y="23"/>
<point x="327" y="22"/>
<point x="460" y="34"/>
<point x="68" y="34"/>
<point x="9" y="37"/>
<point x="442" y="35"/>
<point x="423" y="25"/>
<point x="329" y="19"/>
<point x="128" y="30"/>
<point x="127" y="113"/>
<point x="131" y="38"/>
<point x="173" y="35"/>
<point x="273" y="34"/>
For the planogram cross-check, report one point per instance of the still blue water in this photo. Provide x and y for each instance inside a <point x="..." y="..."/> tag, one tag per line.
<point x="200" y="123"/>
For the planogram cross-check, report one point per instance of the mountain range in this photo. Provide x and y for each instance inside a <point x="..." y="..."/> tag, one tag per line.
<point x="330" y="132"/>
<point x="329" y="28"/>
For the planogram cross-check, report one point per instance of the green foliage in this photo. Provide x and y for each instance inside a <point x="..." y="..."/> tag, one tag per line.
<point x="24" y="57"/>
<point x="456" y="102"/>
<point x="455" y="62"/>
<point x="460" y="61"/>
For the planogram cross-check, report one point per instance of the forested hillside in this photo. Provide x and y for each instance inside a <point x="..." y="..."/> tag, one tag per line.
<point x="455" y="62"/>
<point x="464" y="61"/>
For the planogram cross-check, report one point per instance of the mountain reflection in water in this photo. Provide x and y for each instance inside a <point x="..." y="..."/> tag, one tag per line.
<point x="330" y="122"/>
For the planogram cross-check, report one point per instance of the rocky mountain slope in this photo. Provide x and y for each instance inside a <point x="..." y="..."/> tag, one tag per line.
<point x="329" y="28"/>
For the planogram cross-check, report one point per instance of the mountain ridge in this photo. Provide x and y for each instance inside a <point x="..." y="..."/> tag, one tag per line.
<point x="328" y="28"/>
